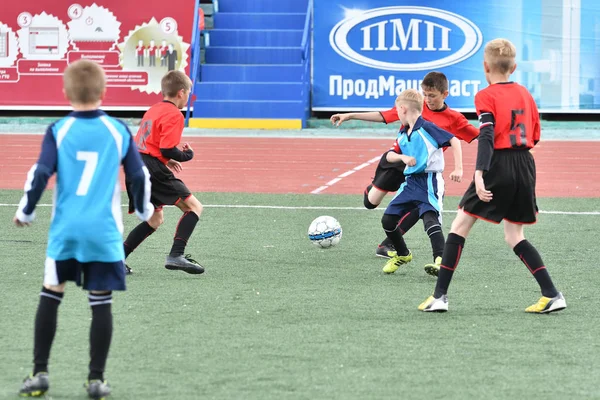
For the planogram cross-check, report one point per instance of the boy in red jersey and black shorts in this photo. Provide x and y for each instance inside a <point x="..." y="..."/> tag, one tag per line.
<point x="157" y="140"/>
<point x="504" y="184"/>
<point x="389" y="176"/>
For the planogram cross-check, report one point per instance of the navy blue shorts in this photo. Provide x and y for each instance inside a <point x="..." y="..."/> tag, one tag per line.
<point x="423" y="191"/>
<point x="96" y="276"/>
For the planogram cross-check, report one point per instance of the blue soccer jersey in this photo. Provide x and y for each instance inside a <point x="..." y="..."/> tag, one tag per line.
<point x="425" y="144"/>
<point x="424" y="185"/>
<point x="86" y="150"/>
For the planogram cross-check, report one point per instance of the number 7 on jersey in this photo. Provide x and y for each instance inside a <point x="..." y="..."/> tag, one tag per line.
<point x="91" y="161"/>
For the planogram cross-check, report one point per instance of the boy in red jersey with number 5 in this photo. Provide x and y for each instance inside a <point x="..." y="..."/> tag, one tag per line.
<point x="157" y="140"/>
<point x="504" y="184"/>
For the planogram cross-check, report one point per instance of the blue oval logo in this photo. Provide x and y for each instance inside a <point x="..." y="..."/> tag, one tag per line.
<point x="406" y="38"/>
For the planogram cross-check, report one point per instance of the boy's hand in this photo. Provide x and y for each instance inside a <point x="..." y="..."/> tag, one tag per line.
<point x="408" y="160"/>
<point x="174" y="166"/>
<point x="456" y="175"/>
<point x="483" y="194"/>
<point x="186" y="147"/>
<point x="338" y="119"/>
<point x="19" y="223"/>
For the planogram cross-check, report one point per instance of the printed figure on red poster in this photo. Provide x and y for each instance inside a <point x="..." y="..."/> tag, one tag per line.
<point x="163" y="53"/>
<point x="139" y="51"/>
<point x="151" y="54"/>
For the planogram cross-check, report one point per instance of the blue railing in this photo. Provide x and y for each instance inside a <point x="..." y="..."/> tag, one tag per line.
<point x="195" y="61"/>
<point x="306" y="34"/>
<point x="306" y="54"/>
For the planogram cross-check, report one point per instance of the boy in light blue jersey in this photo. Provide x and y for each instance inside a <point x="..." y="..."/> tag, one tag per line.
<point x="419" y="146"/>
<point x="85" y="150"/>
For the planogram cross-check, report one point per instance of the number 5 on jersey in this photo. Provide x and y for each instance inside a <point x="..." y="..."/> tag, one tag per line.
<point x="90" y="158"/>
<point x="521" y="139"/>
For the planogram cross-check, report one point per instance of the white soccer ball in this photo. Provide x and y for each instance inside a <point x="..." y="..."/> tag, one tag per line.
<point x="325" y="231"/>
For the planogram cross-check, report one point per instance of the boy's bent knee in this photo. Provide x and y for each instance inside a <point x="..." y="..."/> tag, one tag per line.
<point x="389" y="222"/>
<point x="156" y="219"/>
<point x="368" y="204"/>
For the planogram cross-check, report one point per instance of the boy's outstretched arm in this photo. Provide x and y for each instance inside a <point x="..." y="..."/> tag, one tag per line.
<point x="371" y="116"/>
<point x="37" y="179"/>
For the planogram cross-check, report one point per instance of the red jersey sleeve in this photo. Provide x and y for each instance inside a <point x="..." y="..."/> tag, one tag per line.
<point x="390" y="115"/>
<point x="483" y="103"/>
<point x="171" y="130"/>
<point x="463" y="130"/>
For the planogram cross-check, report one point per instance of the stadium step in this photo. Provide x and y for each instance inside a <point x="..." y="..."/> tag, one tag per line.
<point x="223" y="20"/>
<point x="255" y="38"/>
<point x="250" y="90"/>
<point x="253" y="55"/>
<point x="252" y="73"/>
<point x="257" y="6"/>
<point x="289" y="109"/>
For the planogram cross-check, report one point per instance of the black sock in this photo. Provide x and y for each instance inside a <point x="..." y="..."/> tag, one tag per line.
<point x="390" y="225"/>
<point x="387" y="242"/>
<point x="45" y="328"/>
<point x="436" y="237"/>
<point x="409" y="220"/>
<point x="184" y="230"/>
<point x="100" y="333"/>
<point x="137" y="236"/>
<point x="450" y="258"/>
<point x="533" y="261"/>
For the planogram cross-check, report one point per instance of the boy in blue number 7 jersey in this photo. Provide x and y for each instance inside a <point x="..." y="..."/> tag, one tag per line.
<point x="86" y="150"/>
<point x="419" y="146"/>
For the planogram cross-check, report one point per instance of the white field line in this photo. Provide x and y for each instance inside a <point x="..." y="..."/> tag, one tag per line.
<point x="257" y="206"/>
<point x="345" y="174"/>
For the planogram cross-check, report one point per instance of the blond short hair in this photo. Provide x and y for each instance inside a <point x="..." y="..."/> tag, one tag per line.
<point x="500" y="55"/>
<point x="412" y="99"/>
<point x="84" y="82"/>
<point x="173" y="82"/>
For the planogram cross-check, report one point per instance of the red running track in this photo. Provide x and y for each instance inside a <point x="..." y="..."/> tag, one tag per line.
<point x="302" y="165"/>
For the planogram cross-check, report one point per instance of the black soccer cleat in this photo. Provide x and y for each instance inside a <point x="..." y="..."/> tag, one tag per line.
<point x="184" y="263"/>
<point x="35" y="385"/>
<point x="97" y="389"/>
<point x="386" y="251"/>
<point x="128" y="270"/>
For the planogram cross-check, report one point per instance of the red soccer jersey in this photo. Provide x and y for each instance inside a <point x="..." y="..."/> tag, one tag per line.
<point x="447" y="119"/>
<point x="139" y="50"/>
<point x="515" y="115"/>
<point x="161" y="128"/>
<point x="163" y="50"/>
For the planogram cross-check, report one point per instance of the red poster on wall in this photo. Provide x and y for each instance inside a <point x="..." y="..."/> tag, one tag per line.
<point x="136" y="43"/>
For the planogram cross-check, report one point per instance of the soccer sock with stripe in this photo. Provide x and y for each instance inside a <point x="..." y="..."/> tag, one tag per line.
<point x="390" y="225"/>
<point x="450" y="258"/>
<point x="433" y="228"/>
<point x="137" y="236"/>
<point x="533" y="261"/>
<point x="45" y="328"/>
<point x="100" y="333"/>
<point x="184" y="230"/>
<point x="408" y="221"/>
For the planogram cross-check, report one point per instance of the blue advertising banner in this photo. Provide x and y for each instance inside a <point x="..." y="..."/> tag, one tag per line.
<point x="367" y="51"/>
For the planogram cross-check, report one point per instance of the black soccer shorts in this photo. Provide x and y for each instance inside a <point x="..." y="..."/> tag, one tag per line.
<point x="388" y="176"/>
<point x="511" y="179"/>
<point x="166" y="188"/>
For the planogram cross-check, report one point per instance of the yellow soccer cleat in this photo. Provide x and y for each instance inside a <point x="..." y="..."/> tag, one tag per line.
<point x="434" y="305"/>
<point x="396" y="261"/>
<point x="547" y="305"/>
<point x="434" y="268"/>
